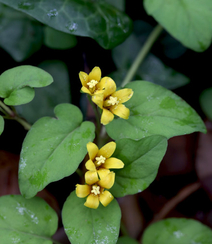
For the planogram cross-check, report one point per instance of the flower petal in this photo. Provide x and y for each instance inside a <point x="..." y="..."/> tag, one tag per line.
<point x="103" y="173"/>
<point x="83" y="78"/>
<point x="92" y="150"/>
<point x="82" y="190"/>
<point x="91" y="177"/>
<point x="107" y="150"/>
<point x="86" y="90"/>
<point x="107" y="181"/>
<point x="106" y="117"/>
<point x="95" y="74"/>
<point x="113" y="163"/>
<point x="105" y="198"/>
<point x="89" y="165"/>
<point x="92" y="201"/>
<point x="120" y="110"/>
<point x="107" y="85"/>
<point x="123" y="95"/>
<point x="98" y="99"/>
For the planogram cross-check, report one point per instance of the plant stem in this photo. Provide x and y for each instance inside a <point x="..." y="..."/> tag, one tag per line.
<point x="142" y="54"/>
<point x="12" y="115"/>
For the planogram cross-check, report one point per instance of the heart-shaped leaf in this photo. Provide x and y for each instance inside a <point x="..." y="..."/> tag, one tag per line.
<point x="141" y="162"/>
<point x="96" y="19"/>
<point x="17" y="84"/>
<point x="1" y="124"/>
<point x="155" y="110"/>
<point x="188" y="21"/>
<point x="30" y="221"/>
<point x="53" y="149"/>
<point x="84" y="225"/>
<point x="177" y="231"/>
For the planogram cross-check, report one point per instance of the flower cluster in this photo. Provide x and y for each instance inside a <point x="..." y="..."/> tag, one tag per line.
<point x="99" y="177"/>
<point x="104" y="95"/>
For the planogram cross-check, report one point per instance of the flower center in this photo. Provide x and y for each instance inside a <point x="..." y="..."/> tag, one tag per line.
<point x="113" y="100"/>
<point x="100" y="160"/>
<point x="92" y="83"/>
<point x="95" y="190"/>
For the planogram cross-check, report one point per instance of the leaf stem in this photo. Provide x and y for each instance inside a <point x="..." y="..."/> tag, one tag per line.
<point x="142" y="54"/>
<point x="12" y="115"/>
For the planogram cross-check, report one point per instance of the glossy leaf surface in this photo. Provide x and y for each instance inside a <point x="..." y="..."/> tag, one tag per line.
<point x="17" y="84"/>
<point x="141" y="162"/>
<point x="48" y="97"/>
<point x="96" y="19"/>
<point x="84" y="225"/>
<point x="53" y="149"/>
<point x="26" y="221"/>
<point x="177" y="231"/>
<point x="187" y="20"/>
<point x="155" y="110"/>
<point x="206" y="102"/>
<point x="20" y="35"/>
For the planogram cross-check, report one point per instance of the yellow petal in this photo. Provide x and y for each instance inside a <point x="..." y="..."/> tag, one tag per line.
<point x="107" y="150"/>
<point x="103" y="173"/>
<point x="123" y="95"/>
<point x="85" y="90"/>
<point x="82" y="190"/>
<point x="107" y="181"/>
<point x="83" y="78"/>
<point x="95" y="74"/>
<point x="91" y="177"/>
<point x="106" y="117"/>
<point x="120" y="110"/>
<point x="105" y="198"/>
<point x="107" y="85"/>
<point x="92" y="150"/>
<point x="98" y="99"/>
<point x="92" y="201"/>
<point x="113" y="163"/>
<point x="89" y="165"/>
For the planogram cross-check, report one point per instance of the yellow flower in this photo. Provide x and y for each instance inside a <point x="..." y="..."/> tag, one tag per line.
<point x="100" y="159"/>
<point x="90" y="81"/>
<point x="110" y="100"/>
<point x="96" y="192"/>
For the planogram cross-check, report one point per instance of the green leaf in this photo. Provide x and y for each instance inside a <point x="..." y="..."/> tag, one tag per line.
<point x="48" y="97"/>
<point x="1" y="124"/>
<point x="155" y="110"/>
<point x="188" y="21"/>
<point x="119" y="4"/>
<point x="53" y="149"/>
<point x="152" y="69"/>
<point x="96" y="19"/>
<point x="177" y="231"/>
<point x="20" y="35"/>
<point x="206" y="102"/>
<point x="26" y="221"/>
<point x="84" y="225"/>
<point x="126" y="240"/>
<point x="58" y="40"/>
<point x="16" y="84"/>
<point x="141" y="162"/>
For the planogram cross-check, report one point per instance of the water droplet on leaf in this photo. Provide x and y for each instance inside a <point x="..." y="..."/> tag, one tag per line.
<point x="26" y="5"/>
<point x="72" y="26"/>
<point x="52" y="13"/>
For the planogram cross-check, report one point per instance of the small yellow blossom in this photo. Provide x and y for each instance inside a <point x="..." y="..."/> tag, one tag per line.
<point x="96" y="192"/>
<point x="90" y="81"/>
<point x="100" y="161"/>
<point x="110" y="100"/>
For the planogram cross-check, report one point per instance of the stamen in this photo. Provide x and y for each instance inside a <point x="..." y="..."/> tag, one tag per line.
<point x="95" y="190"/>
<point x="100" y="160"/>
<point x="113" y="100"/>
<point x="92" y="83"/>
